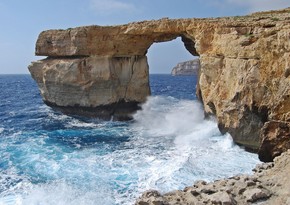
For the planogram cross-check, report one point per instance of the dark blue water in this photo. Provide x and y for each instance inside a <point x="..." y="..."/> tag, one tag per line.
<point x="50" y="158"/>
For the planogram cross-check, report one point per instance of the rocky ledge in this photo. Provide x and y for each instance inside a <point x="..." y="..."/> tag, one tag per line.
<point x="186" y="68"/>
<point x="268" y="185"/>
<point x="244" y="77"/>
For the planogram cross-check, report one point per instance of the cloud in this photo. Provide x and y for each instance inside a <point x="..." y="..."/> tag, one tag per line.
<point x="111" y="6"/>
<point x="260" y="5"/>
<point x="250" y="5"/>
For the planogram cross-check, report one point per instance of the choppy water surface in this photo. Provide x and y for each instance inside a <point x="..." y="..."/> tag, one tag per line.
<point x="50" y="158"/>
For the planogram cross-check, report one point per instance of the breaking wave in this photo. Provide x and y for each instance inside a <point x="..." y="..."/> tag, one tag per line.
<point x="49" y="158"/>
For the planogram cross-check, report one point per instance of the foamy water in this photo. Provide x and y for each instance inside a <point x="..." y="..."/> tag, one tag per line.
<point x="49" y="158"/>
<point x="169" y="145"/>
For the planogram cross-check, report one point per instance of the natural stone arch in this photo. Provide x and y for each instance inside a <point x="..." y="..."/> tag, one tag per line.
<point x="244" y="69"/>
<point x="106" y="66"/>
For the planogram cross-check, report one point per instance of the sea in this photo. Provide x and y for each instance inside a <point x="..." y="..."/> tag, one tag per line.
<point x="48" y="158"/>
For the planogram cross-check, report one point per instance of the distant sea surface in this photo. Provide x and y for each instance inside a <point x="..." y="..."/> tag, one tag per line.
<point x="47" y="158"/>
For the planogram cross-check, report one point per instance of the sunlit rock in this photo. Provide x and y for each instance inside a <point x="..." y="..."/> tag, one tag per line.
<point x="96" y="86"/>
<point x="186" y="68"/>
<point x="244" y="77"/>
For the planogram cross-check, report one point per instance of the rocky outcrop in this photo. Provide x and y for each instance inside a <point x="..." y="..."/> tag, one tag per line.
<point x="186" y="68"/>
<point x="268" y="185"/>
<point x="244" y="78"/>
<point x="93" y="86"/>
<point x="275" y="139"/>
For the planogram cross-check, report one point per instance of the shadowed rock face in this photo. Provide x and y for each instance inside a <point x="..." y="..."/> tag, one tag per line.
<point x="244" y="77"/>
<point x="275" y="137"/>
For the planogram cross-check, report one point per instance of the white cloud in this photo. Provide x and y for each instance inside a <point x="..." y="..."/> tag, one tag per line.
<point x="250" y="5"/>
<point x="260" y="5"/>
<point x="111" y="6"/>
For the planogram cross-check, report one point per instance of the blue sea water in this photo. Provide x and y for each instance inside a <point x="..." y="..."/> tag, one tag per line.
<point x="47" y="158"/>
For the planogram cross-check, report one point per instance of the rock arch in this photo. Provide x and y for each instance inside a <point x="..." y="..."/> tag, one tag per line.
<point x="100" y="71"/>
<point x="243" y="80"/>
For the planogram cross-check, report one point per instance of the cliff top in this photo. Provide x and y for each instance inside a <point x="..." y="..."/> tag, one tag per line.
<point x="139" y="36"/>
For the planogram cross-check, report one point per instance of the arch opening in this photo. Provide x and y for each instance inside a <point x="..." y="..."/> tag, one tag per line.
<point x="166" y="56"/>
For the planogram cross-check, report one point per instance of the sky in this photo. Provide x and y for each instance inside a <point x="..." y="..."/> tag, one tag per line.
<point x="22" y="21"/>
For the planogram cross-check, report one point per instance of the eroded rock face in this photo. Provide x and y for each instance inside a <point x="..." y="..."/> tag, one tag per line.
<point x="93" y="86"/>
<point x="275" y="139"/>
<point x="244" y="76"/>
<point x="186" y="68"/>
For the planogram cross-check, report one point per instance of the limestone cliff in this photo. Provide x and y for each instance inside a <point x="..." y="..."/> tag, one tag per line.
<point x="97" y="86"/>
<point x="186" y="68"/>
<point x="244" y="78"/>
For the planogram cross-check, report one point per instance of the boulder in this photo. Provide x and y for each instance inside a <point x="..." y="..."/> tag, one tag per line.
<point x="275" y="139"/>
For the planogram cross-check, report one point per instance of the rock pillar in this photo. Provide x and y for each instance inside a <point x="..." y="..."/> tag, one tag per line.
<point x="93" y="86"/>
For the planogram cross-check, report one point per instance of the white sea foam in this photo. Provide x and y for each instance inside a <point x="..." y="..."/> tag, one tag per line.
<point x="13" y="187"/>
<point x="166" y="116"/>
<point x="60" y="193"/>
<point x="78" y="123"/>
<point x="59" y="117"/>
<point x="70" y="122"/>
<point x="197" y="147"/>
<point x="168" y="146"/>
<point x="1" y="130"/>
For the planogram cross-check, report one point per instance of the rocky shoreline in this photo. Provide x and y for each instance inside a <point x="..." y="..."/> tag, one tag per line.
<point x="269" y="185"/>
<point x="244" y="80"/>
<point x="244" y="76"/>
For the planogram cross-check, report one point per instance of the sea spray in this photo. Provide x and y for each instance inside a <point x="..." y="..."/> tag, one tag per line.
<point x="195" y="147"/>
<point x="50" y="158"/>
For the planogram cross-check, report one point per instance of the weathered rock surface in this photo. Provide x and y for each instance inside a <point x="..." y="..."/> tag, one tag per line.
<point x="275" y="139"/>
<point x="244" y="78"/>
<point x="186" y="68"/>
<point x="93" y="86"/>
<point x="268" y="185"/>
